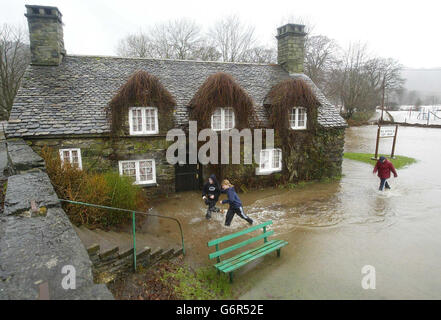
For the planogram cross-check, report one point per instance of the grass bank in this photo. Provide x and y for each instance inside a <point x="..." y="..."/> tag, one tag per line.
<point x="302" y="184"/>
<point x="399" y="161"/>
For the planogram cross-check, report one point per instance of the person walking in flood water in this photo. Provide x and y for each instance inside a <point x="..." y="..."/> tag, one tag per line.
<point x="234" y="202"/>
<point x="210" y="193"/>
<point x="384" y="168"/>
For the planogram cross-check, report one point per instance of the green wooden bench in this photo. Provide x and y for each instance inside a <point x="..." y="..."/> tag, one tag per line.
<point x="241" y="259"/>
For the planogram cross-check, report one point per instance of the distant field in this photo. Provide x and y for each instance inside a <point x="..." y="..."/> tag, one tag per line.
<point x="399" y="161"/>
<point x="416" y="116"/>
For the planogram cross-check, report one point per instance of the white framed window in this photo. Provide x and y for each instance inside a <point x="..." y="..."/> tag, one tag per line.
<point x="143" y="120"/>
<point x="142" y="171"/>
<point x="297" y="118"/>
<point x="270" y="160"/>
<point x="73" y="156"/>
<point x="222" y="119"/>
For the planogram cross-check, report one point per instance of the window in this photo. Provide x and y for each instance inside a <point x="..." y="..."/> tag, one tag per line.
<point x="143" y="120"/>
<point x="142" y="171"/>
<point x="297" y="118"/>
<point x="222" y="119"/>
<point x="270" y="160"/>
<point x="73" y="156"/>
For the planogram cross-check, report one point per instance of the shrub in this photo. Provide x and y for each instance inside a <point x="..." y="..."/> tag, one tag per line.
<point x="202" y="284"/>
<point x="123" y="194"/>
<point x="106" y="189"/>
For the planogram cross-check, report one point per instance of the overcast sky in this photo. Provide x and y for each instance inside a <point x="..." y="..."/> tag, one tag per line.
<point x="406" y="30"/>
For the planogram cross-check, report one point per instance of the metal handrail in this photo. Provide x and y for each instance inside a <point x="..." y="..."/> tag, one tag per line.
<point x="133" y="222"/>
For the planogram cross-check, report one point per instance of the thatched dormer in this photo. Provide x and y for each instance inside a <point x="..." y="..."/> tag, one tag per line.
<point x="285" y="96"/>
<point x="221" y="90"/>
<point x="141" y="90"/>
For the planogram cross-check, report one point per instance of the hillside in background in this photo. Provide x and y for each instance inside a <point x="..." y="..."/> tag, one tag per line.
<point x="426" y="81"/>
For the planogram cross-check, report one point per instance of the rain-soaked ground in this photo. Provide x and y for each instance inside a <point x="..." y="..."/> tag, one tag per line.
<point x="334" y="229"/>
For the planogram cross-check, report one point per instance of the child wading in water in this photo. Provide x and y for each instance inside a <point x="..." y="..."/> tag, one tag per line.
<point x="384" y="167"/>
<point x="210" y="193"/>
<point x="234" y="202"/>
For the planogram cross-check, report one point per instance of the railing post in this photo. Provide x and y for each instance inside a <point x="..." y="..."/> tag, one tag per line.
<point x="134" y="239"/>
<point x="133" y="222"/>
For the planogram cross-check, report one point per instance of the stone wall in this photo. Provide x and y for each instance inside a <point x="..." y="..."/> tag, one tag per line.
<point x="37" y="239"/>
<point x="314" y="154"/>
<point x="111" y="264"/>
<point x="333" y="150"/>
<point x="317" y="153"/>
<point x="103" y="153"/>
<point x="155" y="147"/>
<point x="95" y="152"/>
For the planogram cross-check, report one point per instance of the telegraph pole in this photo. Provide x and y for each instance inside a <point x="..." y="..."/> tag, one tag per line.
<point x="392" y="155"/>
<point x="380" y="121"/>
<point x="376" y="144"/>
<point x="382" y="99"/>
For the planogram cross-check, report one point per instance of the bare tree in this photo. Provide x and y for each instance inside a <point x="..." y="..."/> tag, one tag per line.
<point x="390" y="70"/>
<point x="185" y="38"/>
<point x="350" y="79"/>
<point x="261" y="54"/>
<point x="179" y="39"/>
<point x="14" y="59"/>
<point x="137" y="45"/>
<point x="232" y="38"/>
<point x="321" y="57"/>
<point x="161" y="41"/>
<point x="358" y="80"/>
<point x="206" y="52"/>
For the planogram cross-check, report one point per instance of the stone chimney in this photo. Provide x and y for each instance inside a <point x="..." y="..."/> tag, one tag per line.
<point x="46" y="35"/>
<point x="291" y="47"/>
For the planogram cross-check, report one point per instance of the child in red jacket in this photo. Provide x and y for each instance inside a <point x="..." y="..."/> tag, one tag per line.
<point x="384" y="167"/>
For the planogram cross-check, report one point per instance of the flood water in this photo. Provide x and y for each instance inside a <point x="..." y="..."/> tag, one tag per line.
<point x="334" y="229"/>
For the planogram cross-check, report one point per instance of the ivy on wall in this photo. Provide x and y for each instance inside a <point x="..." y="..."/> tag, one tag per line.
<point x="141" y="89"/>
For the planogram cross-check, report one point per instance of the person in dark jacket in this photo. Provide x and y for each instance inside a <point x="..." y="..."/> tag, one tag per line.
<point x="234" y="202"/>
<point x="384" y="168"/>
<point x="210" y="193"/>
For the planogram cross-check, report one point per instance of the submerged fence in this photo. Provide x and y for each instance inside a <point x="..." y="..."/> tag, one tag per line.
<point x="133" y="212"/>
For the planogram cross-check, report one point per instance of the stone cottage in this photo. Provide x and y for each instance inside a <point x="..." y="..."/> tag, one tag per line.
<point x="112" y="113"/>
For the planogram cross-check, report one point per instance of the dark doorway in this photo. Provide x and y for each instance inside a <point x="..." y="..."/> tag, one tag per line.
<point x="188" y="177"/>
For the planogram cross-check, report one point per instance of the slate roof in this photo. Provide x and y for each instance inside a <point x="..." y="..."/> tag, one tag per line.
<point x="73" y="98"/>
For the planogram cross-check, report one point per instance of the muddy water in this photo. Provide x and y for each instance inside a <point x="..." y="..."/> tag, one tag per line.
<point x="334" y="229"/>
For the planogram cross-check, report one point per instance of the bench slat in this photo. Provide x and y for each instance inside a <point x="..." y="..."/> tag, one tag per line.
<point x="238" y="234"/>
<point x="231" y="261"/>
<point x="261" y="254"/>
<point x="219" y="264"/>
<point x="240" y="244"/>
